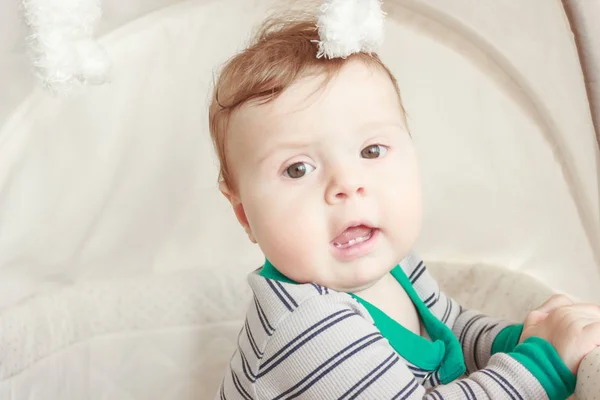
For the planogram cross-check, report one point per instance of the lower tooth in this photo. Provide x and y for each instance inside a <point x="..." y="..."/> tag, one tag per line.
<point x="353" y="241"/>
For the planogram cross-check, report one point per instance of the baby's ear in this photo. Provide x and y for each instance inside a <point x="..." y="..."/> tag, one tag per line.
<point x="225" y="190"/>
<point x="238" y="209"/>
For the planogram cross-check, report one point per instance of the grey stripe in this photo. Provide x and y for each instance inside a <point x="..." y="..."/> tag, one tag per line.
<point x="463" y="390"/>
<point x="485" y="329"/>
<point x="374" y="370"/>
<point x="437" y="395"/>
<point x="477" y="339"/>
<point x="239" y="387"/>
<point x="255" y="349"/>
<point x="435" y="379"/>
<point x="336" y="359"/>
<point x="386" y="368"/>
<point x="263" y="318"/>
<point x="279" y="295"/>
<point x="503" y="379"/>
<point x="448" y="310"/>
<point x="421" y="268"/>
<point x="486" y="373"/>
<point x="222" y="391"/>
<point x="286" y="293"/>
<point x="331" y="320"/>
<point x="417" y="372"/>
<point x="246" y="367"/>
<point x="432" y="300"/>
<point x="469" y="389"/>
<point x="463" y="334"/>
<point x="317" y="288"/>
<point x="407" y="390"/>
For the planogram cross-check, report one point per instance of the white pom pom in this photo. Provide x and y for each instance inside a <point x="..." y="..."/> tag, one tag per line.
<point x="94" y="64"/>
<point x="61" y="43"/>
<point x="350" y="26"/>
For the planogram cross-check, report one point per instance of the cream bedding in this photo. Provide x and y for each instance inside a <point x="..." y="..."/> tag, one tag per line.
<point x="121" y="266"/>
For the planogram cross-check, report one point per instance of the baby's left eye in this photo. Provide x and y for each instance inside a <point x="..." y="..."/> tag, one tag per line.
<point x="373" y="151"/>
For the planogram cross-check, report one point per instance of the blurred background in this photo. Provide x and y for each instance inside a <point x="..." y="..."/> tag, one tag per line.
<point x="122" y="269"/>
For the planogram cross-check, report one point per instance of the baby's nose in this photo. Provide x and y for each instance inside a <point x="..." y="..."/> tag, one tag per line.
<point x="344" y="188"/>
<point x="346" y="192"/>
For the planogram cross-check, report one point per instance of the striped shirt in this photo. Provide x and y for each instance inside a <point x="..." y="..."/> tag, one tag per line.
<point x="306" y="341"/>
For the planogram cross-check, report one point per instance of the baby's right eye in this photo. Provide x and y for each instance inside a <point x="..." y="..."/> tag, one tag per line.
<point x="298" y="170"/>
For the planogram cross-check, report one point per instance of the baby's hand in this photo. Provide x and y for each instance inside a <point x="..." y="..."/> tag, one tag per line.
<point x="573" y="330"/>
<point x="540" y="313"/>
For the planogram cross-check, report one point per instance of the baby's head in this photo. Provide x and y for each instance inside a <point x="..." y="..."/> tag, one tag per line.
<point x="316" y="158"/>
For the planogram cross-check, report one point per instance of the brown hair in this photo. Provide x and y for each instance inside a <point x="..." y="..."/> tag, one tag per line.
<point x="283" y="51"/>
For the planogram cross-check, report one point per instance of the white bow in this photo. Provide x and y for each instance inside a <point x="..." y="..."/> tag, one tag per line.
<point x="349" y="26"/>
<point x="61" y="43"/>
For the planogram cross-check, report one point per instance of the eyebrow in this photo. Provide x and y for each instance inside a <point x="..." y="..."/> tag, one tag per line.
<point x="382" y="125"/>
<point x="280" y="144"/>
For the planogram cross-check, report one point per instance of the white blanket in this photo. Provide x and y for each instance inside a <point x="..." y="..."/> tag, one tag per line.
<point x="115" y="187"/>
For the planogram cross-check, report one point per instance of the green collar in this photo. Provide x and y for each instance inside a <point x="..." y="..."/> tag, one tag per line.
<point x="443" y="353"/>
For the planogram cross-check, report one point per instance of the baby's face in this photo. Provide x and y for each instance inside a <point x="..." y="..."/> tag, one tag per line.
<point x="327" y="179"/>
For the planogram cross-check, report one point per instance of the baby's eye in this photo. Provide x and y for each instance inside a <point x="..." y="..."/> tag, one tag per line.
<point x="298" y="170"/>
<point x="373" y="151"/>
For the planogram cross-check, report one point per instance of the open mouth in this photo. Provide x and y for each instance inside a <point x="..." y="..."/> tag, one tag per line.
<point x="352" y="236"/>
<point x="354" y="242"/>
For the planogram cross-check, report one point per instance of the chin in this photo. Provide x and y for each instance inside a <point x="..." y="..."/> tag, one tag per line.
<point x="365" y="286"/>
<point x="363" y="280"/>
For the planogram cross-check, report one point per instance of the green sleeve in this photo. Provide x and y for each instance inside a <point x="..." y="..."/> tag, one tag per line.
<point x="507" y="339"/>
<point x="544" y="363"/>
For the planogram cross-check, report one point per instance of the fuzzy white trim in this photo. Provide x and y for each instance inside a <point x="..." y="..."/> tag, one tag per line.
<point x="61" y="44"/>
<point x="350" y="26"/>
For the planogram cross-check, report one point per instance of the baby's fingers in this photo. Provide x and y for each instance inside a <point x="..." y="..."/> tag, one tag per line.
<point x="535" y="317"/>
<point x="554" y="302"/>
<point x="589" y="310"/>
<point x="592" y="331"/>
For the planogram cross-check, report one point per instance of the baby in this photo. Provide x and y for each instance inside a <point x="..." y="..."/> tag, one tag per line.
<point x="319" y="166"/>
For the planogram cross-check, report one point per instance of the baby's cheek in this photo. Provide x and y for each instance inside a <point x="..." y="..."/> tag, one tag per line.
<point x="296" y="259"/>
<point x="403" y="222"/>
<point x="286" y="229"/>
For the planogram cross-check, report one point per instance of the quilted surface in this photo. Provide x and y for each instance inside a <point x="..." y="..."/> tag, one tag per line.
<point x="114" y="242"/>
<point x="588" y="378"/>
<point x="158" y="337"/>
